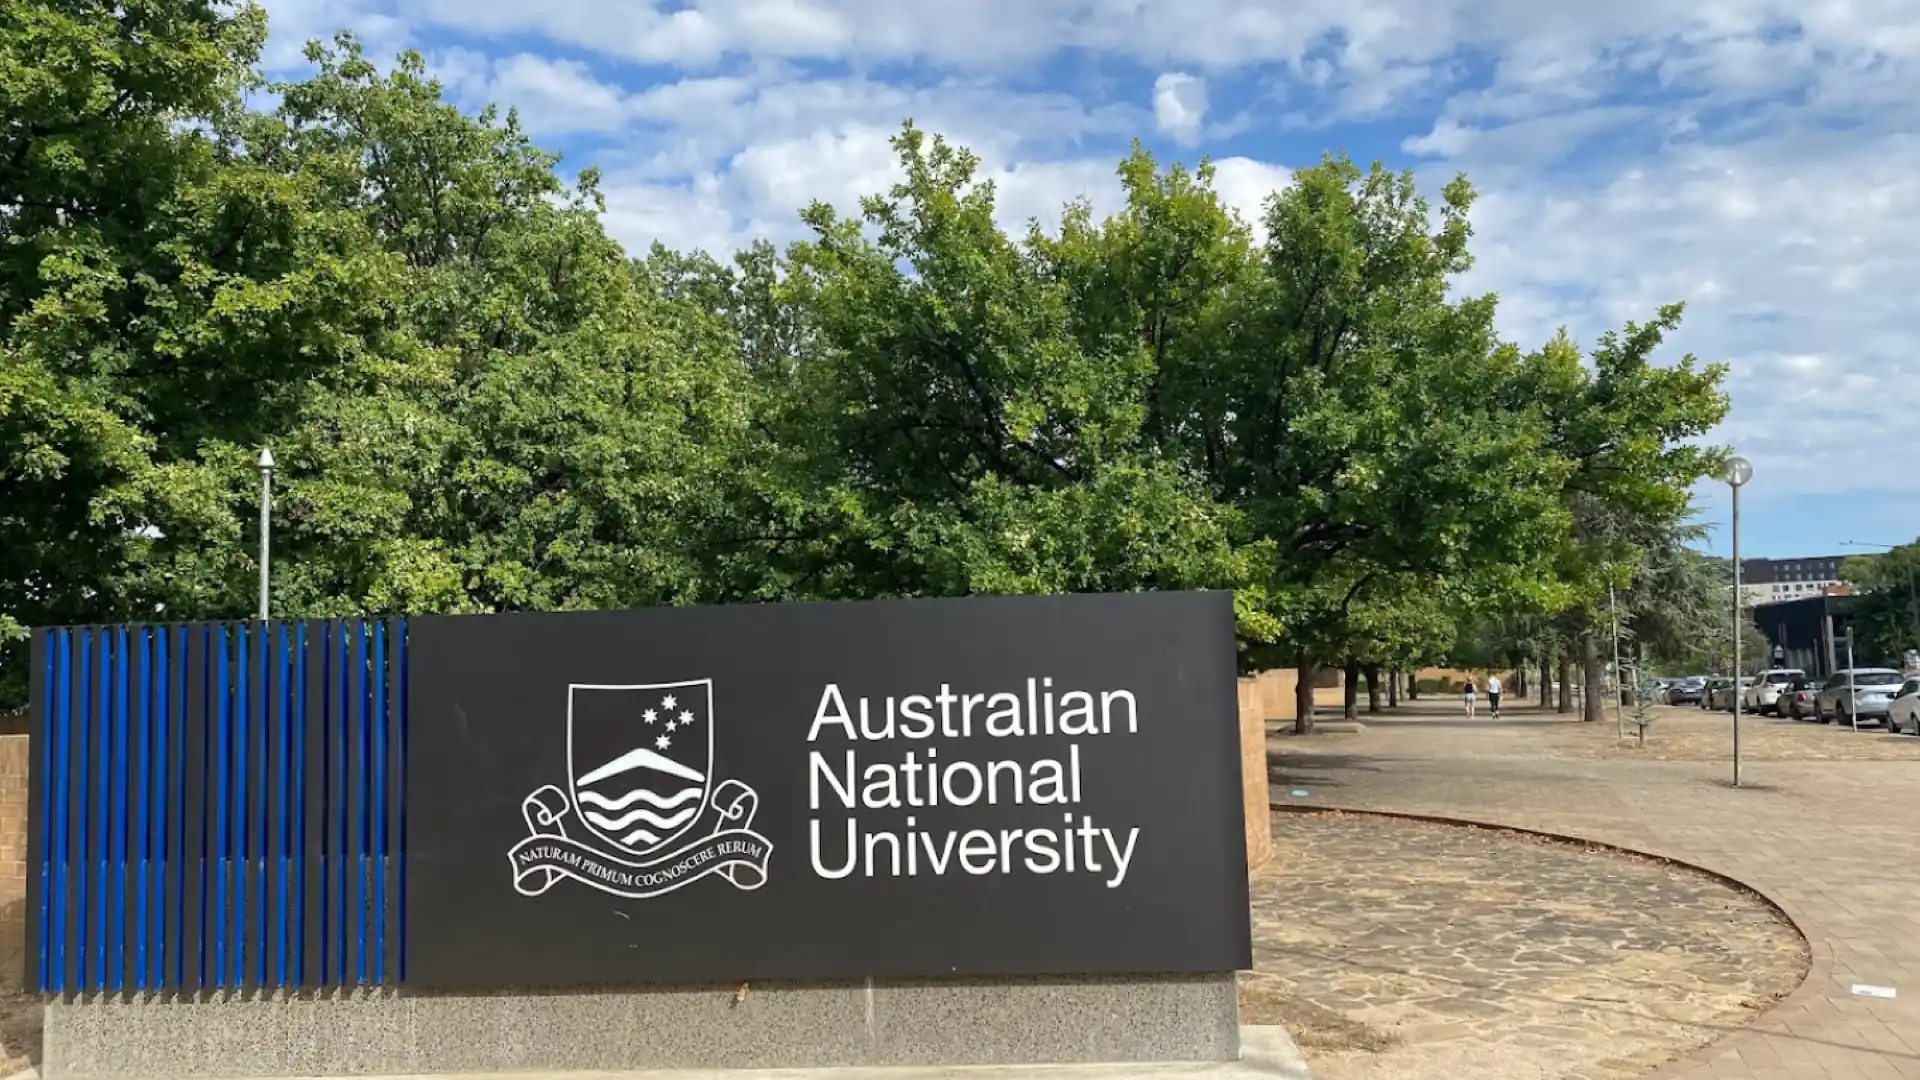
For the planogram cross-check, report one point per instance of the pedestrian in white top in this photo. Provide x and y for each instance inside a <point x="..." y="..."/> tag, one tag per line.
<point x="1493" y="695"/>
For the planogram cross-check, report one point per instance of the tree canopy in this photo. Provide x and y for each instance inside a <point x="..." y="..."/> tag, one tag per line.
<point x="480" y="402"/>
<point x="1885" y="607"/>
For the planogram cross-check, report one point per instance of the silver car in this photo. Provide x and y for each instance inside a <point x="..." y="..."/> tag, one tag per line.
<point x="1862" y="695"/>
<point x="1905" y="713"/>
<point x="1723" y="692"/>
<point x="1763" y="696"/>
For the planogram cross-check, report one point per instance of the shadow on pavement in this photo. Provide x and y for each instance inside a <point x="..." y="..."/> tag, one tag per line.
<point x="1287" y="769"/>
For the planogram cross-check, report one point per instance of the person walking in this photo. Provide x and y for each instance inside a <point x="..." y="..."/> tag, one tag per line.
<point x="1493" y="695"/>
<point x="1467" y="697"/>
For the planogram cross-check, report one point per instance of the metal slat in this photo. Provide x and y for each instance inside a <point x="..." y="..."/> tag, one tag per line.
<point x="241" y="917"/>
<point x="259" y="954"/>
<point x="160" y="797"/>
<point x="312" y="805"/>
<point x="60" y="791"/>
<point x="338" y="723"/>
<point x="117" y="823"/>
<point x="386" y="648"/>
<point x="282" y="833"/>
<point x="235" y="870"/>
<point x="196" y="859"/>
<point x="400" y="786"/>
<point x="73" y="938"/>
<point x="140" y="847"/>
<point x="60" y="779"/>
<point x="357" y="810"/>
<point x="100" y="792"/>
<point x="174" y="967"/>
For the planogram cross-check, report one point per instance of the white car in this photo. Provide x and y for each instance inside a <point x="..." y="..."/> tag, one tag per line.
<point x="1871" y="695"/>
<point x="1763" y="696"/>
<point x="1904" y="714"/>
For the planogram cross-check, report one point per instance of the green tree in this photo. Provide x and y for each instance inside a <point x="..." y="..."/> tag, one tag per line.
<point x="1677" y="612"/>
<point x="477" y="400"/>
<point x="104" y="178"/>
<point x="947" y="431"/>
<point x="519" y="419"/>
<point x="1886" y="604"/>
<point x="1324" y="385"/>
<point x="1628" y="428"/>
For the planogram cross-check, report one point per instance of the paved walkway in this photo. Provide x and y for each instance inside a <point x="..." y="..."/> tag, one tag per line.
<point x="1401" y="950"/>
<point x="1835" y="842"/>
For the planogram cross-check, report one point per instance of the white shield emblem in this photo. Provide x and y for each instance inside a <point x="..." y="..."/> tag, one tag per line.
<point x="641" y="759"/>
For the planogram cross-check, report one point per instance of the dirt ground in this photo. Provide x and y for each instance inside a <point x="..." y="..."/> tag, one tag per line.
<point x="19" y="1029"/>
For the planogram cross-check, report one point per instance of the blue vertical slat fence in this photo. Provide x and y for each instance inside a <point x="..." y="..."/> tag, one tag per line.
<point x="101" y="726"/>
<point x="218" y="806"/>
<point x="220" y="851"/>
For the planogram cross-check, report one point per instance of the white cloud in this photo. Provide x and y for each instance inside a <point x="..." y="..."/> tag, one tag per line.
<point x="557" y="97"/>
<point x="757" y="192"/>
<point x="1180" y="106"/>
<point x="1793" y="253"/>
<point x="1245" y="185"/>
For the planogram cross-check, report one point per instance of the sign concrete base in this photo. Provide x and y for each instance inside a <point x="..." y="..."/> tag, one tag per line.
<point x="1107" y="1019"/>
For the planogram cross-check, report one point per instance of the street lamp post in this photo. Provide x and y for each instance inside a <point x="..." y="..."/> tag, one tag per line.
<point x="266" y="526"/>
<point x="1739" y="471"/>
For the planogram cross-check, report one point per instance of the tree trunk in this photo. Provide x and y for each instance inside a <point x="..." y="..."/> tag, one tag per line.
<point x="1393" y="689"/>
<point x="1413" y="685"/>
<point x="1373" y="689"/>
<point x="1303" y="697"/>
<point x="1546" y="681"/>
<point x="1350" y="691"/>
<point x="1566" y="682"/>
<point x="1519" y="681"/>
<point x="1593" y="672"/>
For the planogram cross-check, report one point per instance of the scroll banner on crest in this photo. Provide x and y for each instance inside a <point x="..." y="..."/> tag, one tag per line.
<point x="724" y="844"/>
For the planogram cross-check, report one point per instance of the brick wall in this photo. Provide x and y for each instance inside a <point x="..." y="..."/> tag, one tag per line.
<point x="13" y="857"/>
<point x="1263" y="697"/>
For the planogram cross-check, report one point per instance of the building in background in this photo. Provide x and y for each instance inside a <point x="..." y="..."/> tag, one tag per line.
<point x="1770" y="581"/>
<point x="1809" y="633"/>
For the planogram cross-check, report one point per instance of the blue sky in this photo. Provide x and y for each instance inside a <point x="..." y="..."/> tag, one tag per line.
<point x="1757" y="159"/>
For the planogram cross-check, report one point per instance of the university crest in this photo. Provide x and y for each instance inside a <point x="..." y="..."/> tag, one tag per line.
<point x="641" y="814"/>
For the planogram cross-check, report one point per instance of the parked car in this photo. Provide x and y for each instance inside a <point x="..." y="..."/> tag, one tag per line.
<point x="1715" y="696"/>
<point x="1650" y="689"/>
<point x="1706" y="691"/>
<point x="1721" y="694"/>
<point x="1764" y="696"/>
<point x="1904" y="714"/>
<point x="1686" y="691"/>
<point x="1797" y="700"/>
<point x="1857" y="695"/>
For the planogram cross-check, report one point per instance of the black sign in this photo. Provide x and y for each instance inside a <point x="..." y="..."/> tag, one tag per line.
<point x="1019" y="785"/>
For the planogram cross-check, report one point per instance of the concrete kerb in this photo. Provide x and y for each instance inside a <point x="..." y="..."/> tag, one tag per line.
<point x="1819" y="952"/>
<point x="1265" y="1052"/>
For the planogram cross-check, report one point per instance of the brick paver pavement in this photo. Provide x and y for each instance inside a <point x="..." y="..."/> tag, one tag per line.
<point x="1835" y="843"/>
